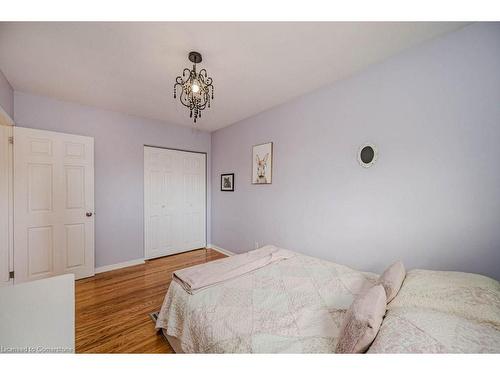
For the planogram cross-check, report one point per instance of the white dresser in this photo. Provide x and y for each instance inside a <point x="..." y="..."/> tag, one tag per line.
<point x="38" y="316"/>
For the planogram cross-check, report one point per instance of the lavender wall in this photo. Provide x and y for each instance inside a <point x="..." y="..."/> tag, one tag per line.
<point x="119" y="176"/>
<point x="6" y="96"/>
<point x="433" y="197"/>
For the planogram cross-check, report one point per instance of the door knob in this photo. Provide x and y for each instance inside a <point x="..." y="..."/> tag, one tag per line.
<point x="88" y="214"/>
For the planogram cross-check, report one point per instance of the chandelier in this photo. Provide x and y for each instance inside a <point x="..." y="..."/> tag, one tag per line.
<point x="196" y="89"/>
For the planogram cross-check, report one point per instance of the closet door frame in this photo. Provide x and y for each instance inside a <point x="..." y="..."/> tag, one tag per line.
<point x="145" y="203"/>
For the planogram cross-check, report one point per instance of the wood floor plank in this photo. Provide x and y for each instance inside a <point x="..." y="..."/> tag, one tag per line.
<point x="112" y="307"/>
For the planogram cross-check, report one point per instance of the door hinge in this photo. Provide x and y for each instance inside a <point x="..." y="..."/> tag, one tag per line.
<point x="11" y="274"/>
<point x="11" y="140"/>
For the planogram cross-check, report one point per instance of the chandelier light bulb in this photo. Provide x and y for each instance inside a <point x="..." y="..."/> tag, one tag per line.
<point x="195" y="87"/>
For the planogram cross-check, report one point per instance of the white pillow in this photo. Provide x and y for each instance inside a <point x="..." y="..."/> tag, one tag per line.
<point x="362" y="321"/>
<point x="392" y="279"/>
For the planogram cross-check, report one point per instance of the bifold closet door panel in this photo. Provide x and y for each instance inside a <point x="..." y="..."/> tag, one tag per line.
<point x="193" y="188"/>
<point x="53" y="204"/>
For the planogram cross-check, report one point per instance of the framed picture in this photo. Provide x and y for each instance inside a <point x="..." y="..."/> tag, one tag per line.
<point x="227" y="182"/>
<point x="262" y="163"/>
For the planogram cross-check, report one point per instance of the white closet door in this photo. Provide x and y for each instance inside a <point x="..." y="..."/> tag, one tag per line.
<point x="53" y="204"/>
<point x="193" y="215"/>
<point x="174" y="201"/>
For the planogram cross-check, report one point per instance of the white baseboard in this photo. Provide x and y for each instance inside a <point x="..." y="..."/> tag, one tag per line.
<point x="221" y="250"/>
<point x="111" y="267"/>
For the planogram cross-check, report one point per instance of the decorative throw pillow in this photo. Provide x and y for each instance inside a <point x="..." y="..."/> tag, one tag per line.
<point x="362" y="321"/>
<point x="392" y="279"/>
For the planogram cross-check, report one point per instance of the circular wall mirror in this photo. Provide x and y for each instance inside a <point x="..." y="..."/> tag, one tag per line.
<point x="367" y="155"/>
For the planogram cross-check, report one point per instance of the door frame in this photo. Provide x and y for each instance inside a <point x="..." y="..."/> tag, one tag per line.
<point x="8" y="200"/>
<point x="7" y="124"/>
<point x="144" y="194"/>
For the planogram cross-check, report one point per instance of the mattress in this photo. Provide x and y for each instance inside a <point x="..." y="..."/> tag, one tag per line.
<point x="293" y="306"/>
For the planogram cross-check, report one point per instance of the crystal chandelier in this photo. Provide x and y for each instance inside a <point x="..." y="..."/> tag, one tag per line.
<point x="196" y="89"/>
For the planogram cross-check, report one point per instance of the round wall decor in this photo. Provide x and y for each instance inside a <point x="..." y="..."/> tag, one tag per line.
<point x="367" y="155"/>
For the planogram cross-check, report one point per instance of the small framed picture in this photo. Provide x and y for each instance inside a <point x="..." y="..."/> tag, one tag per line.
<point x="262" y="163"/>
<point x="227" y="182"/>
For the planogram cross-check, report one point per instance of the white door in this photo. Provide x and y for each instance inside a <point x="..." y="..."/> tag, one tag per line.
<point x="174" y="201"/>
<point x="53" y="204"/>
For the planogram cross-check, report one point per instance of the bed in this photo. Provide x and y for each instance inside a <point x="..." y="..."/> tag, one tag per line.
<point x="297" y="305"/>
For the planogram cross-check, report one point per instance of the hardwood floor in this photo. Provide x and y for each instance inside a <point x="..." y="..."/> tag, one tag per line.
<point x="112" y="307"/>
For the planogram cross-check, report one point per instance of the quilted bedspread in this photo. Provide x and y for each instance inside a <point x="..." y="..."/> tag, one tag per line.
<point x="442" y="312"/>
<point x="293" y="306"/>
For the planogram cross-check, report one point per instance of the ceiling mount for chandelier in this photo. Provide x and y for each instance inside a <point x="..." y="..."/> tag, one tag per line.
<point x="196" y="88"/>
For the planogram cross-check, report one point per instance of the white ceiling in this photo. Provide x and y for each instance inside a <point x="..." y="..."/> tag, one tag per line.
<point x="131" y="67"/>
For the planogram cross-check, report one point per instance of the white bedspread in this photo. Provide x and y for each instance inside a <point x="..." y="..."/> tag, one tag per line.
<point x="442" y="312"/>
<point x="293" y="306"/>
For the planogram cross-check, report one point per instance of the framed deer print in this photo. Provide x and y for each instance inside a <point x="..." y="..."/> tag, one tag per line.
<point x="262" y="163"/>
<point x="227" y="182"/>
